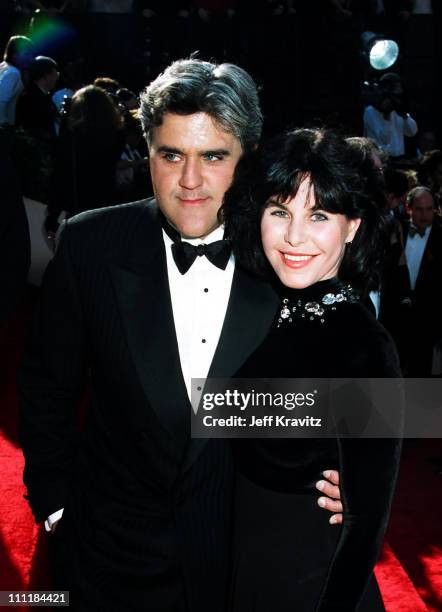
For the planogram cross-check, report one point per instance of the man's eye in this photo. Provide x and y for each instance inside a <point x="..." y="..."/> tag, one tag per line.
<point x="212" y="157"/>
<point x="172" y="157"/>
<point x="318" y="217"/>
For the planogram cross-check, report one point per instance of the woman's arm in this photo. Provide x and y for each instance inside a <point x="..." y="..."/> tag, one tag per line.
<point x="366" y="464"/>
<point x="376" y="463"/>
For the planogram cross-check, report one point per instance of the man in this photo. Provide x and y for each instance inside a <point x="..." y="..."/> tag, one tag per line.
<point x="18" y="54"/>
<point x="388" y="122"/>
<point x="420" y="283"/>
<point x="146" y="520"/>
<point x="36" y="111"/>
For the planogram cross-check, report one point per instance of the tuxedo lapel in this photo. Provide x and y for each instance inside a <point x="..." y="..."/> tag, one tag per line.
<point x="428" y="258"/>
<point x="143" y="296"/>
<point x="250" y="312"/>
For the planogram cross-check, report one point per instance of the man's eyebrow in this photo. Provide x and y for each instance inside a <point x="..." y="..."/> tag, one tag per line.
<point x="166" y="149"/>
<point x="218" y="152"/>
<point x="176" y="151"/>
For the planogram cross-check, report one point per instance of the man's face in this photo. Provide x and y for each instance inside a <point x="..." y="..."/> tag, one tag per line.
<point x="192" y="161"/>
<point x="422" y="210"/>
<point x="51" y="79"/>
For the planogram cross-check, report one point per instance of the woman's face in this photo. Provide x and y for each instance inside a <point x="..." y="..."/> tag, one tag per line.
<point x="304" y="246"/>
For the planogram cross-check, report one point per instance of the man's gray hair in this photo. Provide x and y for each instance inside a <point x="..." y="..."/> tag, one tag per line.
<point x="417" y="191"/>
<point x="225" y="92"/>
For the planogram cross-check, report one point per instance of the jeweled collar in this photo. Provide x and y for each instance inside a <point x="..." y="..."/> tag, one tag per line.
<point x="313" y="303"/>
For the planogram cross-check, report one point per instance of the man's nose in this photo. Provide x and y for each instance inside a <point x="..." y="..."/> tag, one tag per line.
<point x="191" y="175"/>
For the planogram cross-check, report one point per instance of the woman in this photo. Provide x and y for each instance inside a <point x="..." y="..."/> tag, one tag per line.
<point x="90" y="145"/>
<point x="299" y="212"/>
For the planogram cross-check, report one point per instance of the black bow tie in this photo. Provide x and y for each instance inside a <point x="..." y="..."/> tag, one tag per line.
<point x="184" y="253"/>
<point x="412" y="231"/>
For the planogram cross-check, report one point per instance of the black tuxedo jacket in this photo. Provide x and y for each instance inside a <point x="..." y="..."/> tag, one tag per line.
<point x="147" y="509"/>
<point x="36" y="112"/>
<point x="427" y="291"/>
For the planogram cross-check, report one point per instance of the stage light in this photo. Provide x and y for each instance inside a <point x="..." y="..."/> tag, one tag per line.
<point x="381" y="52"/>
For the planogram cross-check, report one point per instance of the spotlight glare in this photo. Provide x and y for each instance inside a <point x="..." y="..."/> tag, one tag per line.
<point x="383" y="54"/>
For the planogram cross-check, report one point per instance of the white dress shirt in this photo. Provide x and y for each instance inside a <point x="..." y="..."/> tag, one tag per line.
<point x="422" y="7"/>
<point x="414" y="251"/>
<point x="389" y="133"/>
<point x="199" y="304"/>
<point x="11" y="86"/>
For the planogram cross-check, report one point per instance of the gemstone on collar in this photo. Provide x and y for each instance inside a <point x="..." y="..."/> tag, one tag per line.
<point x="316" y="310"/>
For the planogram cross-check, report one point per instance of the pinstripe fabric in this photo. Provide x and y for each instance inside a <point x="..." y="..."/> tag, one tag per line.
<point x="147" y="511"/>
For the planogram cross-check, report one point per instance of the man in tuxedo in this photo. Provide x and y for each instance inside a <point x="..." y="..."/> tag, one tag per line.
<point x="36" y="111"/>
<point x="130" y="307"/>
<point x="419" y="283"/>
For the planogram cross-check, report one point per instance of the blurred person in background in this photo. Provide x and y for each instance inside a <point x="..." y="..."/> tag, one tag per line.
<point x="396" y="186"/>
<point x="108" y="84"/>
<point x="417" y="286"/>
<point x="36" y="111"/>
<point x="426" y="141"/>
<point x="387" y="121"/>
<point x="90" y="144"/>
<point x="17" y="56"/>
<point x="128" y="99"/>
<point x="132" y="170"/>
<point x="70" y="82"/>
<point x="430" y="174"/>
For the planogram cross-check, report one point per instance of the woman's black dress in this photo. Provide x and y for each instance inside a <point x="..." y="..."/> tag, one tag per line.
<point x="287" y="558"/>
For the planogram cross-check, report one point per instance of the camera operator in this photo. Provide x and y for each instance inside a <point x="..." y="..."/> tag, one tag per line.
<point x="387" y="120"/>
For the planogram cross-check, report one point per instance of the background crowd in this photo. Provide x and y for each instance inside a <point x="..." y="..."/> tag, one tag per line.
<point x="70" y="139"/>
<point x="69" y="88"/>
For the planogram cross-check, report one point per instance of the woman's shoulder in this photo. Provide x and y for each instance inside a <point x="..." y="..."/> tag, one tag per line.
<point x="367" y="344"/>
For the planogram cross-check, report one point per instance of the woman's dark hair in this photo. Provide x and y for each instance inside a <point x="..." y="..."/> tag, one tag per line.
<point x="93" y="108"/>
<point x="371" y="161"/>
<point x="339" y="181"/>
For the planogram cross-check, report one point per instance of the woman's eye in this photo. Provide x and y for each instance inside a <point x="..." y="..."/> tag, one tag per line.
<point x="318" y="217"/>
<point x="279" y="213"/>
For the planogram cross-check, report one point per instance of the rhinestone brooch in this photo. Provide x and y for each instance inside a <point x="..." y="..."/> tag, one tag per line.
<point x="315" y="310"/>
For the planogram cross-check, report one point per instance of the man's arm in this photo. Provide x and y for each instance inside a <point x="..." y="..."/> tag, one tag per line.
<point x="51" y="380"/>
<point x="410" y="126"/>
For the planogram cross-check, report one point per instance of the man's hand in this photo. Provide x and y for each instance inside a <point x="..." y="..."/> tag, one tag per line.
<point x="332" y="496"/>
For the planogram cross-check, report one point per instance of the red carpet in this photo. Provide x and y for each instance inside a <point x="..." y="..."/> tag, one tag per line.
<point x="409" y="570"/>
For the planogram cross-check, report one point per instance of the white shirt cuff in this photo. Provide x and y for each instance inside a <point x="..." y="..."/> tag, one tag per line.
<point x="53" y="518"/>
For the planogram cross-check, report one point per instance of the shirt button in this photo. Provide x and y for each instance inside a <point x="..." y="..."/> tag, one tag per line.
<point x="206" y="290"/>
<point x="198" y="388"/>
<point x="203" y="340"/>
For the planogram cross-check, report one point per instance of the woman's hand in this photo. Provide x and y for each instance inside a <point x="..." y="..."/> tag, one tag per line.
<point x="332" y="496"/>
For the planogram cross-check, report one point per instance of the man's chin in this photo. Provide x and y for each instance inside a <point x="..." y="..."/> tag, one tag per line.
<point x="192" y="231"/>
